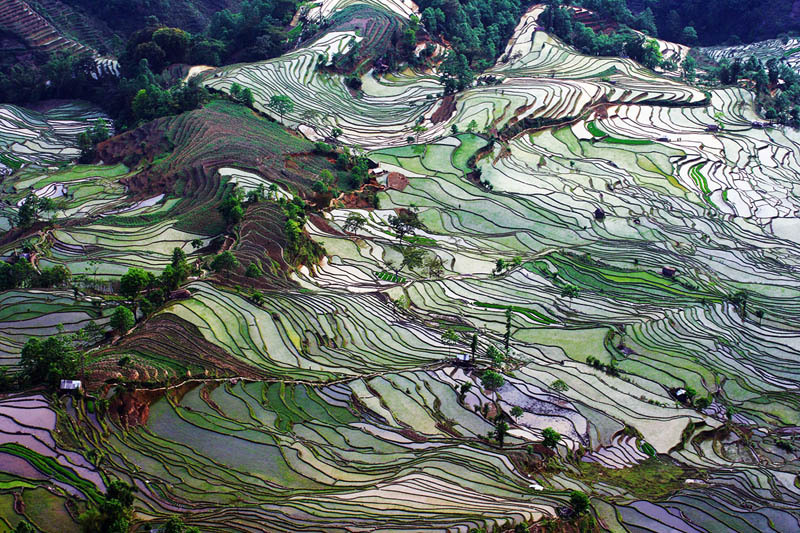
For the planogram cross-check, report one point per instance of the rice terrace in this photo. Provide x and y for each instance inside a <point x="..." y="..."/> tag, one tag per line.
<point x="346" y="266"/>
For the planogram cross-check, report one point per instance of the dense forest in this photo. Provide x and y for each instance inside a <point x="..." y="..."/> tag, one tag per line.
<point x="145" y="89"/>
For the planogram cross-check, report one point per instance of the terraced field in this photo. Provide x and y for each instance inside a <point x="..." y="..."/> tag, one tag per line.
<point x="626" y="242"/>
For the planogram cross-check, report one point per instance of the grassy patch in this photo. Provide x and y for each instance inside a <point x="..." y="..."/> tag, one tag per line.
<point x="653" y="479"/>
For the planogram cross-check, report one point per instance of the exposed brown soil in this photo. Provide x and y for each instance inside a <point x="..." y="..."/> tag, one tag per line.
<point x="445" y="110"/>
<point x="396" y="181"/>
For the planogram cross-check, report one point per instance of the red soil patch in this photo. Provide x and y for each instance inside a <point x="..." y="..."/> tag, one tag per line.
<point x="396" y="181"/>
<point x="132" y="408"/>
<point x="445" y="110"/>
<point x="323" y="224"/>
<point x="359" y="199"/>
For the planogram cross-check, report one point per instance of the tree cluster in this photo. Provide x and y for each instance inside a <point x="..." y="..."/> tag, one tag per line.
<point x="88" y="140"/>
<point x="137" y="281"/>
<point x="561" y="22"/>
<point x="113" y="512"/>
<point x="477" y="29"/>
<point x="21" y="274"/>
<point x="777" y="86"/>
<point x="255" y="33"/>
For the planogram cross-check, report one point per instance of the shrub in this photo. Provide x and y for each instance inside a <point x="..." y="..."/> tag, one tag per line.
<point x="550" y="437"/>
<point x="579" y="501"/>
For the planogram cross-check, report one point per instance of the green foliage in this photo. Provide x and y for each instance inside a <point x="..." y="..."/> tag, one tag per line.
<point x="255" y="32"/>
<point x="133" y="282"/>
<point x="579" y="501"/>
<point x="254" y="271"/>
<point x="354" y="222"/>
<point x="495" y="355"/>
<point x="561" y="22"/>
<point x="477" y="29"/>
<point x="463" y="389"/>
<point x="413" y="257"/>
<point x="174" y="42"/>
<point x="24" y="527"/>
<point x="87" y="140"/>
<point x="281" y="104"/>
<point x="176" y="525"/>
<point x="559" y="385"/>
<point x="224" y="262"/>
<point x="48" y="361"/>
<point x="652" y="479"/>
<point x="231" y="206"/>
<point x="113" y="513"/>
<point x="31" y="208"/>
<point x="406" y="222"/>
<point x="517" y="411"/>
<point x="456" y="74"/>
<point x="122" y="320"/>
<point x="21" y="274"/>
<point x="449" y="337"/>
<point x="491" y="380"/>
<point x="550" y="437"/>
<point x="500" y="432"/>
<point x="242" y="95"/>
<point x="301" y="248"/>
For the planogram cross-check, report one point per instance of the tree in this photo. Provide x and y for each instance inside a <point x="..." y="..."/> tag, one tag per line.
<point x="24" y="527"/>
<point x="176" y="272"/>
<point x="463" y="389"/>
<point x="449" y="338"/>
<point x="257" y="297"/>
<point x="30" y="209"/>
<point x="413" y="257"/>
<point x="224" y="262"/>
<point x="492" y="381"/>
<point x="495" y="356"/>
<point x="231" y="206"/>
<point x="418" y="129"/>
<point x="406" y="222"/>
<point x="689" y="67"/>
<point x="281" y="104"/>
<point x="517" y="411"/>
<point x="133" y="282"/>
<point x="176" y="525"/>
<point x="174" y="42"/>
<point x="579" y="501"/>
<point x="122" y="320"/>
<point x="435" y="266"/>
<point x="550" y="437"/>
<point x="570" y="291"/>
<point x="48" y="361"/>
<point x="253" y="271"/>
<point x="559" y="385"/>
<point x="354" y="222"/>
<point x="689" y="36"/>
<point x="113" y="512"/>
<point x="500" y="432"/>
<point x="474" y="346"/>
<point x="197" y="244"/>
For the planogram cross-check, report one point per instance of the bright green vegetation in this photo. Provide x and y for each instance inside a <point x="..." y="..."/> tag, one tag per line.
<point x="594" y="130"/>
